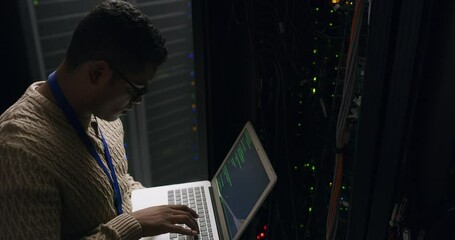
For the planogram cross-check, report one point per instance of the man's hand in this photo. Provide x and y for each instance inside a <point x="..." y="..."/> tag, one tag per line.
<point x="163" y="219"/>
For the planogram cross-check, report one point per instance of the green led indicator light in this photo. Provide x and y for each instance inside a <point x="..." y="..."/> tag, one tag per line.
<point x="336" y="68"/>
<point x="306" y="165"/>
<point x="310" y="209"/>
<point x="336" y="55"/>
<point x="315" y="78"/>
<point x="299" y="124"/>
<point x="311" y="188"/>
<point x="313" y="168"/>
<point x="343" y="187"/>
<point x="333" y="95"/>
<point x="330" y="24"/>
<point x="317" y="9"/>
<point x="313" y="90"/>
<point x="296" y="168"/>
<point x="300" y="102"/>
<point x="331" y="11"/>
<point x="315" y="51"/>
<point x="314" y="63"/>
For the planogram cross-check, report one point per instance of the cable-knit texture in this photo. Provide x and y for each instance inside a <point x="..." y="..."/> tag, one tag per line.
<point x="50" y="185"/>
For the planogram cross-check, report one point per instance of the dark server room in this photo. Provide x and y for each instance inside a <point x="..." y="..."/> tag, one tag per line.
<point x="339" y="114"/>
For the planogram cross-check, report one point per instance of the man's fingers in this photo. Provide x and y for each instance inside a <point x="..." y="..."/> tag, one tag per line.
<point x="182" y="230"/>
<point x="186" y="209"/>
<point x="167" y="218"/>
<point x="187" y="220"/>
<point x="184" y="214"/>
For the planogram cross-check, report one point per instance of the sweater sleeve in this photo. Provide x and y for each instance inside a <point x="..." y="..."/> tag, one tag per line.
<point x="123" y="226"/>
<point x="30" y="207"/>
<point x="134" y="184"/>
<point x="30" y="204"/>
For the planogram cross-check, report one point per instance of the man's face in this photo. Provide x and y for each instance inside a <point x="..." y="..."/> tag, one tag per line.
<point x="124" y="91"/>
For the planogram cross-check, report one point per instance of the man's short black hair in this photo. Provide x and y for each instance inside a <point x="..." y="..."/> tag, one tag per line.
<point x="116" y="31"/>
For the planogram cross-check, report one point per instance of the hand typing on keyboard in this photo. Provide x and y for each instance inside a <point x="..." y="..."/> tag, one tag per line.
<point x="195" y="198"/>
<point x="167" y="218"/>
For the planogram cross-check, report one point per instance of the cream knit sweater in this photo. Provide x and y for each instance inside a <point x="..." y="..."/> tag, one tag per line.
<point x="50" y="186"/>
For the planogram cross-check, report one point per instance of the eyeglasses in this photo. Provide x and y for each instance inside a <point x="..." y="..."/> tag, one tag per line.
<point x="138" y="92"/>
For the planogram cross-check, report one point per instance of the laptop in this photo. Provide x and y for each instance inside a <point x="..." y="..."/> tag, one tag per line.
<point x="229" y="200"/>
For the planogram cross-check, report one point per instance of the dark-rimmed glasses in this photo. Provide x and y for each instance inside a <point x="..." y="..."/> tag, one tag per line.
<point x="138" y="92"/>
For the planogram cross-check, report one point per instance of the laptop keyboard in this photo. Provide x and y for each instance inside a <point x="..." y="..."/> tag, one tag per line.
<point x="195" y="199"/>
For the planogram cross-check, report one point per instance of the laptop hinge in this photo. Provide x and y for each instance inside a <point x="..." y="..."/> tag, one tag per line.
<point x="215" y="211"/>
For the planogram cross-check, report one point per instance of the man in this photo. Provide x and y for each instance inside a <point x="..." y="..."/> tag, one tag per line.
<point x="63" y="169"/>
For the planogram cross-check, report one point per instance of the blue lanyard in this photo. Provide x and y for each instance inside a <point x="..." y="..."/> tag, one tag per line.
<point x="73" y="119"/>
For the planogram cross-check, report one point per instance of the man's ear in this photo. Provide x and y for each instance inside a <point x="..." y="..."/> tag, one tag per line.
<point x="100" y="72"/>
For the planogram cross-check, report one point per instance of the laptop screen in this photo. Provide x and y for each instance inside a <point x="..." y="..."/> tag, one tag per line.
<point x="241" y="181"/>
